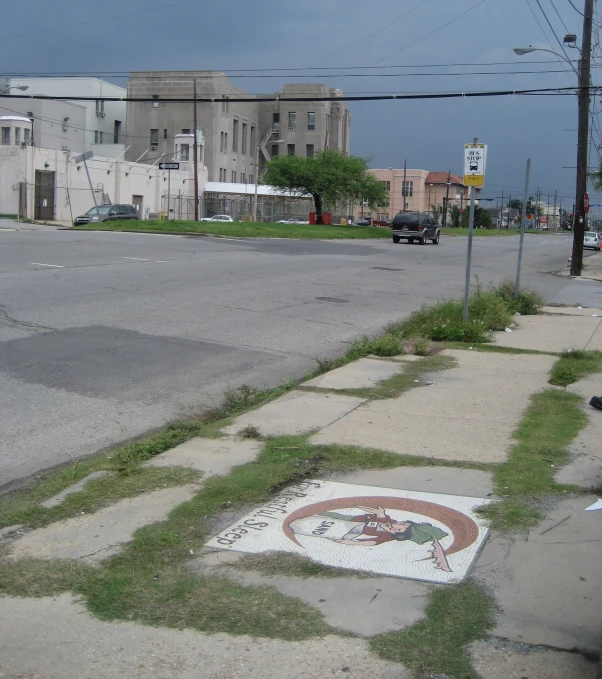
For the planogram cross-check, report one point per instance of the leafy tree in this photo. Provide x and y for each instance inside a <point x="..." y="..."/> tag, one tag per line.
<point x="515" y="204"/>
<point x="455" y="216"/>
<point x="596" y="178"/>
<point x="329" y="177"/>
<point x="482" y="218"/>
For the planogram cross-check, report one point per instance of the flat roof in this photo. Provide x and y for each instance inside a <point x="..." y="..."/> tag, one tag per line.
<point x="249" y="190"/>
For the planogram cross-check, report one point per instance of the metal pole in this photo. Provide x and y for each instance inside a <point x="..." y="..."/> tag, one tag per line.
<point x="447" y="199"/>
<point x="92" y="189"/>
<point x="502" y="213"/>
<point x="403" y="189"/>
<point x="429" y="205"/>
<point x="256" y="182"/>
<point x="168" y="192"/>
<point x="554" y="213"/>
<point x="469" y="255"/>
<point x="582" y="138"/>
<point x="522" y="229"/>
<point x="196" y="160"/>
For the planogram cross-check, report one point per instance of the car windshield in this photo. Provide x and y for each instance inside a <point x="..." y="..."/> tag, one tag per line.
<point x="590" y="234"/>
<point x="103" y="209"/>
<point x="407" y="219"/>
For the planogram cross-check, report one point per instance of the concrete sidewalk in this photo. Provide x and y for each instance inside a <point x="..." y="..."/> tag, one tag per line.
<point x="545" y="580"/>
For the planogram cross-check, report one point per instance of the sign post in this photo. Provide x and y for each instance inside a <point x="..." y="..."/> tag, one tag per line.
<point x="523" y="224"/>
<point x="475" y="156"/>
<point x="82" y="159"/>
<point x="169" y="167"/>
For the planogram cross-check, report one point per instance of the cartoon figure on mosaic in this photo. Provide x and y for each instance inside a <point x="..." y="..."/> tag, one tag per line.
<point x="371" y="529"/>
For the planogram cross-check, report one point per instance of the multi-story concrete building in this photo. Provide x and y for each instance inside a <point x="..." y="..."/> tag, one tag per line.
<point x="228" y="130"/>
<point x="103" y="130"/>
<point x="304" y="127"/>
<point x="48" y="124"/>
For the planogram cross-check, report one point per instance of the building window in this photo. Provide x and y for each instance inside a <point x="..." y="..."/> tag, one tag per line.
<point x="225" y="144"/>
<point x="245" y="132"/>
<point x="26" y="135"/>
<point x="387" y="186"/>
<point x="5" y="136"/>
<point x="292" y="120"/>
<point x="385" y="202"/>
<point x="234" y="176"/>
<point x="17" y="136"/>
<point x="185" y="130"/>
<point x="309" y="150"/>
<point x="164" y="133"/>
<point x="275" y="121"/>
<point x="117" y="131"/>
<point x="290" y="149"/>
<point x="221" y="142"/>
<point x="96" y="136"/>
<point x="275" y="150"/>
<point x="243" y="178"/>
<point x="311" y="120"/>
<point x="235" y="135"/>
<point x="251" y="179"/>
<point x="225" y="105"/>
<point x="253" y="145"/>
<point x="155" y="101"/>
<point x="101" y="137"/>
<point x="407" y="189"/>
<point x="100" y="108"/>
<point x="154" y="139"/>
<point x="184" y="151"/>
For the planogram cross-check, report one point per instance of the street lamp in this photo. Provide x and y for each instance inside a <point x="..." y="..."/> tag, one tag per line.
<point x="521" y="51"/>
<point x="15" y="87"/>
<point x="279" y="141"/>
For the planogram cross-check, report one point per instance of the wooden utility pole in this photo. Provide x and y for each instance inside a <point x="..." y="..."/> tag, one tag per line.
<point x="582" y="138"/>
<point x="196" y="160"/>
<point x="502" y="213"/>
<point x="404" y="187"/>
<point x="446" y="199"/>
<point x="554" y="213"/>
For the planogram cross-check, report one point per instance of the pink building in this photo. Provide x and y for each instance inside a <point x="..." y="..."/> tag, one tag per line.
<point x="424" y="191"/>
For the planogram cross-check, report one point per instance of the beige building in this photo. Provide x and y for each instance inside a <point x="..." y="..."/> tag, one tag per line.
<point x="423" y="191"/>
<point x="227" y="129"/>
<point x="304" y="127"/>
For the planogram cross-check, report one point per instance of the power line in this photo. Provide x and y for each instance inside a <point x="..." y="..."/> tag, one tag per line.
<point x="552" y="29"/>
<point x="558" y="15"/>
<point x="576" y="10"/>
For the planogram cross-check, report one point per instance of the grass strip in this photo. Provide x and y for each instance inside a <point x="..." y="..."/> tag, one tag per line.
<point x="552" y="420"/>
<point x="244" y="229"/>
<point x="574" y="365"/>
<point x="455" y="617"/>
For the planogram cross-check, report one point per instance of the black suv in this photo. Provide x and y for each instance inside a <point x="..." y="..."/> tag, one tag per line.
<point x="415" y="225"/>
<point x="107" y="213"/>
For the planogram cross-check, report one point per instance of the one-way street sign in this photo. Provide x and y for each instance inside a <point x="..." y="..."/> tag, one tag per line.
<point x="169" y="166"/>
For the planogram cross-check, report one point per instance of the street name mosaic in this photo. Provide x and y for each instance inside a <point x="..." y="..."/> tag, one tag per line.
<point x="402" y="533"/>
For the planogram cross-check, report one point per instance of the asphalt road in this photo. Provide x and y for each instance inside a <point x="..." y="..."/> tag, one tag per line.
<point x="106" y="335"/>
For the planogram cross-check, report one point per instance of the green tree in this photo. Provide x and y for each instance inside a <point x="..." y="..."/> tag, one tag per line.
<point x="329" y="177"/>
<point x="455" y="216"/>
<point x="515" y="204"/>
<point x="596" y="178"/>
<point x="482" y="218"/>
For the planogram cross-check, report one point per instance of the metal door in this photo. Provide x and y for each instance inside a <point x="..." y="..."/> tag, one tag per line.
<point x="44" y="195"/>
<point x="137" y="202"/>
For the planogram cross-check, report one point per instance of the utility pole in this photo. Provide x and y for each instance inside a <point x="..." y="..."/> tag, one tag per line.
<point x="447" y="199"/>
<point x="555" y="220"/>
<point x="403" y="188"/>
<point x="582" y="138"/>
<point x="502" y="213"/>
<point x="537" y="197"/>
<point x="196" y="161"/>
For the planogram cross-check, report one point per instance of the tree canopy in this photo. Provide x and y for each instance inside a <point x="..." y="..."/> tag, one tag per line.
<point x="329" y="177"/>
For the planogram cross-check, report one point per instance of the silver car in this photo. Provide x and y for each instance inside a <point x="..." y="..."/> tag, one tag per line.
<point x="591" y="240"/>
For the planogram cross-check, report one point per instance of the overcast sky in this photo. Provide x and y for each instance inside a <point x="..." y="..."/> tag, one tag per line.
<point x="210" y="34"/>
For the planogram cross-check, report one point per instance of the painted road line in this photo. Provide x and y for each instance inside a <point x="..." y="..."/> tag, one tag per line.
<point x="52" y="266"/>
<point x="138" y="259"/>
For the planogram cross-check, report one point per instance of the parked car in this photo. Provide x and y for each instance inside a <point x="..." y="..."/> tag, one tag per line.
<point x="107" y="213"/>
<point x="218" y="218"/>
<point x="413" y="226"/>
<point x="291" y="221"/>
<point x="591" y="240"/>
<point x="373" y="222"/>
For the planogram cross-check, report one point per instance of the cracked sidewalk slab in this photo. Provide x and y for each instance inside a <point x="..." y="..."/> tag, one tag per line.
<point x="500" y="659"/>
<point x="361" y="374"/>
<point x="56" y="637"/>
<point x="94" y="537"/>
<point x="553" y="333"/>
<point x="57" y="499"/>
<point x="468" y="414"/>
<point x="364" y="606"/>
<point x="296" y="413"/>
<point x="547" y="581"/>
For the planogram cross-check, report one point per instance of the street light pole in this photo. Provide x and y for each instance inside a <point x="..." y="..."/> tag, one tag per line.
<point x="582" y="139"/>
<point x="256" y="183"/>
<point x="446" y="199"/>
<point x="195" y="146"/>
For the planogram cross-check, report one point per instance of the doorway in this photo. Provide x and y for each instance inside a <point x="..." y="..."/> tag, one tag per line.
<point x="137" y="202"/>
<point x="44" y="195"/>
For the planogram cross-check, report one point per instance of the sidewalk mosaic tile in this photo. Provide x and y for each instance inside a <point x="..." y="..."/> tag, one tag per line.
<point x="400" y="533"/>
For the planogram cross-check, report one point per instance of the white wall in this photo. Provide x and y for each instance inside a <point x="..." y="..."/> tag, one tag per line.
<point x="113" y="181"/>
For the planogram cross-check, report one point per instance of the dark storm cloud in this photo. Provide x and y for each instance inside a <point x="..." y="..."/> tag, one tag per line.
<point x="268" y="34"/>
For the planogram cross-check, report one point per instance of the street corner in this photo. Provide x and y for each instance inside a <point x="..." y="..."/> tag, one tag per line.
<point x="406" y="534"/>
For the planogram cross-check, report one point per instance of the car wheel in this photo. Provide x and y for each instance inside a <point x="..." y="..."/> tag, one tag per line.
<point x="423" y="240"/>
<point x="396" y="239"/>
<point x="436" y="239"/>
<point x="410" y="240"/>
